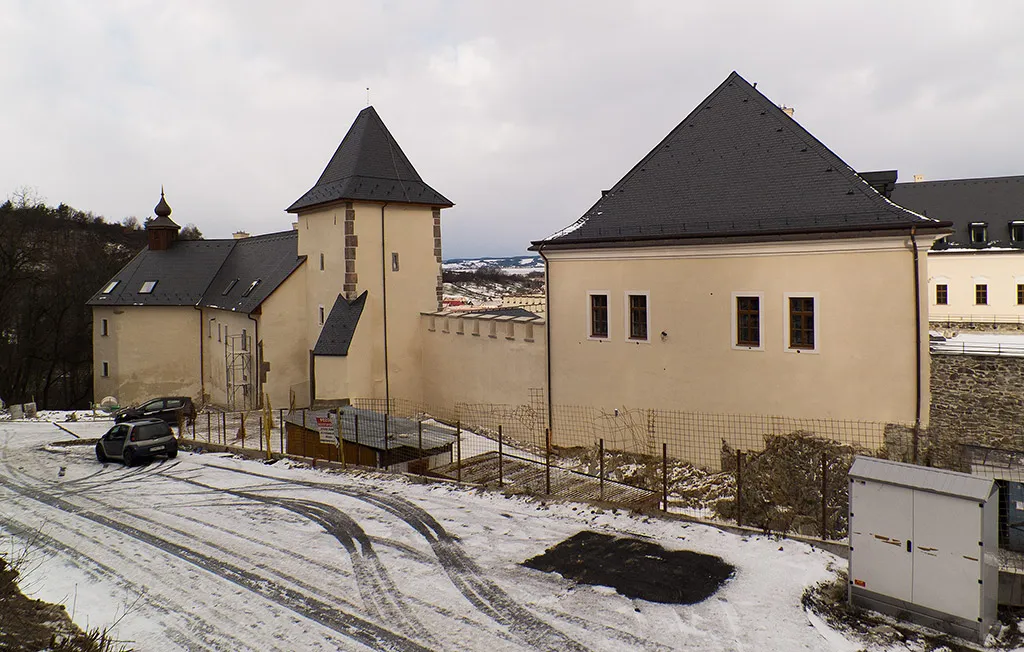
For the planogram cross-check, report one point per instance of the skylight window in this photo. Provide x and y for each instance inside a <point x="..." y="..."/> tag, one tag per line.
<point x="252" y="287"/>
<point x="230" y="286"/>
<point x="147" y="287"/>
<point x="1017" y="231"/>
<point x="110" y="287"/>
<point x="978" y="232"/>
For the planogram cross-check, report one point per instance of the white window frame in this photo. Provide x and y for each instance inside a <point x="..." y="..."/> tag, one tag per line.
<point x="935" y="283"/>
<point x="110" y="287"/>
<point x="321" y="314"/>
<point x="636" y="293"/>
<point x="104" y="327"/>
<point x="735" y="330"/>
<point x="322" y="263"/>
<point x="147" y="287"/>
<point x="817" y="321"/>
<point x="608" y="317"/>
<point x="105" y="369"/>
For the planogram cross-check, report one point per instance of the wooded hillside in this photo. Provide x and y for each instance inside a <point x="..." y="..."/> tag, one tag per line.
<point x="51" y="261"/>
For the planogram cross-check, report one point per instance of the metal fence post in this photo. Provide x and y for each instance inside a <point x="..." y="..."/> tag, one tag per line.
<point x="341" y="440"/>
<point x="359" y="452"/>
<point x="224" y="428"/>
<point x="208" y="429"/>
<point x="664" y="476"/>
<point x="458" y="447"/>
<point x="501" y="469"/>
<point x="547" y="461"/>
<point x="281" y="414"/>
<point x="600" y="473"/>
<point x="824" y="496"/>
<point x="386" y="457"/>
<point x="419" y="431"/>
<point x="260" y="437"/>
<point x="739" y="488"/>
<point x="304" y="434"/>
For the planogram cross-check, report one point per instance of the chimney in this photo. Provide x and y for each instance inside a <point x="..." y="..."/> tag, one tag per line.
<point x="918" y="178"/>
<point x="788" y="110"/>
<point x="240" y="235"/>
<point x="161" y="231"/>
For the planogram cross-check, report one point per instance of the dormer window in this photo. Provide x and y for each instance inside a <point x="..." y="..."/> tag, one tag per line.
<point x="110" y="287"/>
<point x="979" y="232"/>
<point x="231" y="286"/>
<point x="252" y="286"/>
<point x="1017" y="231"/>
<point x="147" y="287"/>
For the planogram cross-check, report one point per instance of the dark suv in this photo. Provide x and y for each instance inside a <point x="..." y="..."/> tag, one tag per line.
<point x="135" y="440"/>
<point x="166" y="409"/>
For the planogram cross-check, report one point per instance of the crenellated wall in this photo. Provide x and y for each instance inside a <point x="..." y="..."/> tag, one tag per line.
<point x="482" y="358"/>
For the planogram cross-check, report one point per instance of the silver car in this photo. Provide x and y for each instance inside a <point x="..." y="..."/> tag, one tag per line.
<point x="134" y="440"/>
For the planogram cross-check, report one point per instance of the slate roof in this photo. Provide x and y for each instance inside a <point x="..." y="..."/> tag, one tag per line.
<point x="340" y="326"/>
<point x="513" y="311"/>
<point x="196" y="272"/>
<point x="996" y="201"/>
<point x="182" y="274"/>
<point x="269" y="259"/>
<point x="737" y="166"/>
<point x="369" y="165"/>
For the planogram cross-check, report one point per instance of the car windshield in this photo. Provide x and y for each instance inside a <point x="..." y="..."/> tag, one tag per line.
<point x="152" y="431"/>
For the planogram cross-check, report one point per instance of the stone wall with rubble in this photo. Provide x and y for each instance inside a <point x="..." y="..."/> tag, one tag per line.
<point x="978" y="398"/>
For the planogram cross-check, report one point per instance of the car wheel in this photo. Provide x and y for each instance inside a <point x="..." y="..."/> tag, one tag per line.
<point x="100" y="455"/>
<point x="129" y="458"/>
<point x="171" y="454"/>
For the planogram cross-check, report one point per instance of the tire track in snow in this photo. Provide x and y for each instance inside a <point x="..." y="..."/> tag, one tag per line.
<point x="346" y="624"/>
<point x="463" y="572"/>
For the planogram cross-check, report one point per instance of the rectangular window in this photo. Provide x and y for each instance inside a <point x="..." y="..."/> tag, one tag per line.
<point x="147" y="287"/>
<point x="321" y="261"/>
<point x="599" y="315"/>
<point x="1017" y="231"/>
<point x="801" y="322"/>
<point x="245" y="340"/>
<point x="979" y="232"/>
<point x="941" y="294"/>
<point x="106" y="369"/>
<point x="252" y="286"/>
<point x="637" y="316"/>
<point x="110" y="287"/>
<point x="103" y="324"/>
<point x="394" y="261"/>
<point x="230" y="286"/>
<point x="748" y="321"/>
<point x="209" y="329"/>
<point x="1020" y="294"/>
<point x="981" y="294"/>
<point x="321" y="312"/>
<point x="218" y="332"/>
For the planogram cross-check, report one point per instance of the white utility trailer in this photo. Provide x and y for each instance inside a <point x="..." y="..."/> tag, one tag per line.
<point x="923" y="545"/>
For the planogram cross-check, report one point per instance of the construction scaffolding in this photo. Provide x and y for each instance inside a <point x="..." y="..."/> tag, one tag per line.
<point x="241" y="391"/>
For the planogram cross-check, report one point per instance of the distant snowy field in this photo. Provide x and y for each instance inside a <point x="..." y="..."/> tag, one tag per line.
<point x="215" y="552"/>
<point x="508" y="265"/>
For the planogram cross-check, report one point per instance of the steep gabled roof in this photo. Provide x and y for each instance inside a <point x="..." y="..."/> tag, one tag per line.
<point x="196" y="273"/>
<point x="369" y="165"/>
<point x="182" y="273"/>
<point x="260" y="262"/>
<point x="737" y="166"/>
<point x="996" y="201"/>
<point x="340" y="326"/>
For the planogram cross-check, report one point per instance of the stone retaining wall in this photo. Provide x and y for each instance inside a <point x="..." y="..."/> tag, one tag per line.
<point x="978" y="398"/>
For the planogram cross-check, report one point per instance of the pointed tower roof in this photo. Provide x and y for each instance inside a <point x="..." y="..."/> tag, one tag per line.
<point x="163" y="215"/>
<point x="369" y="165"/>
<point x="737" y="166"/>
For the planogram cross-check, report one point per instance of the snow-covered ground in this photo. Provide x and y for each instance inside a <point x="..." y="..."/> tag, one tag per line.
<point x="215" y="552"/>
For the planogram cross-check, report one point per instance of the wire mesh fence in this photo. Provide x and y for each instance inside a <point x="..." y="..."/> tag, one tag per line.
<point x="778" y="474"/>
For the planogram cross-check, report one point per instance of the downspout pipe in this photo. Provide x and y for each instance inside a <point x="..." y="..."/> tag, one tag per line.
<point x="202" y="357"/>
<point x="547" y="329"/>
<point x="384" y="298"/>
<point x="256" y="353"/>
<point x="917" y="339"/>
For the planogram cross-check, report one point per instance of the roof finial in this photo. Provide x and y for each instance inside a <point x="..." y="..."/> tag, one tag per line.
<point x="162" y="209"/>
<point x="367" y="96"/>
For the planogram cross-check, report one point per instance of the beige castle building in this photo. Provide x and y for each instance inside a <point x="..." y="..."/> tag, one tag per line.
<point x="741" y="267"/>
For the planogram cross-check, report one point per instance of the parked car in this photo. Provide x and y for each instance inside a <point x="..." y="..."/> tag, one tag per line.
<point x="165" y="408"/>
<point x="135" y="440"/>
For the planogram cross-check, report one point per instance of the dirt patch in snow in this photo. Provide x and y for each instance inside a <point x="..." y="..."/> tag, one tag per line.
<point x="635" y="568"/>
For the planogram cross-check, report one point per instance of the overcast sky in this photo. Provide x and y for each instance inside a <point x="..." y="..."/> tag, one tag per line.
<point x="519" y="112"/>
